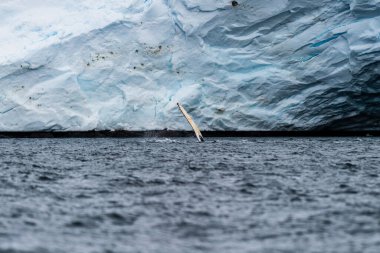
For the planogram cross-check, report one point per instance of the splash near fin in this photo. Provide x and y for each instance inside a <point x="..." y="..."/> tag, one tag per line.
<point x="192" y="123"/>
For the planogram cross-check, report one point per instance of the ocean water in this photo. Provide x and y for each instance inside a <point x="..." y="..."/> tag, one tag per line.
<point x="177" y="195"/>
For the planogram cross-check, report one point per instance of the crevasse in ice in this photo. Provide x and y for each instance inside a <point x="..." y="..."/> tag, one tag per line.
<point x="259" y="65"/>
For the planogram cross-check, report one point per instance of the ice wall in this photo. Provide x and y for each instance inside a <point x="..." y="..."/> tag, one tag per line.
<point x="261" y="65"/>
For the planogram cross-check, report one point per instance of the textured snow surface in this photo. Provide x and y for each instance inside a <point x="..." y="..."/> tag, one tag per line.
<point x="123" y="64"/>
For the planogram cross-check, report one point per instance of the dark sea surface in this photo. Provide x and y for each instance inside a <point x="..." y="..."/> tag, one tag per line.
<point x="177" y="195"/>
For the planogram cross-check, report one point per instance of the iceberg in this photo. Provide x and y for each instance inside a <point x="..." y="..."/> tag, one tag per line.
<point x="242" y="65"/>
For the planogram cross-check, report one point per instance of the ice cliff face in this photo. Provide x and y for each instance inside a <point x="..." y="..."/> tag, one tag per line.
<point x="260" y="65"/>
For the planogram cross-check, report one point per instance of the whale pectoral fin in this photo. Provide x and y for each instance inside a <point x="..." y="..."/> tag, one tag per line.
<point x="196" y="130"/>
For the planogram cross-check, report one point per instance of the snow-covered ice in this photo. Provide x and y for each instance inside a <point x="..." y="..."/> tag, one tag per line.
<point x="123" y="64"/>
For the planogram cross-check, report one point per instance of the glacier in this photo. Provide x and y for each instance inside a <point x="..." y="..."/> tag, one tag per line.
<point x="124" y="64"/>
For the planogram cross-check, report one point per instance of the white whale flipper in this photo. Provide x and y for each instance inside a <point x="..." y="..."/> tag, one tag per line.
<point x="192" y="123"/>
